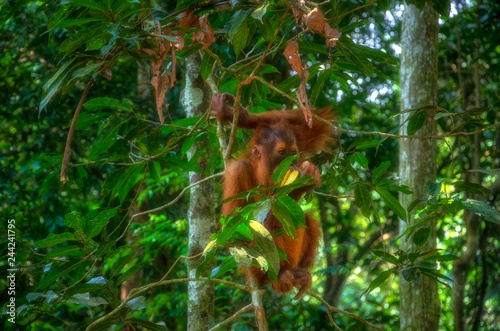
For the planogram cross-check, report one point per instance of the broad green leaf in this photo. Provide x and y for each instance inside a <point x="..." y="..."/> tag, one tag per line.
<point x="289" y="213"/>
<point x="104" y="141"/>
<point x="50" y="88"/>
<point x="267" y="247"/>
<point x="95" y="226"/>
<point x="53" y="275"/>
<point x="413" y="256"/>
<point x="239" y="31"/>
<point x="89" y="4"/>
<point x="137" y="303"/>
<point x="260" y="11"/>
<point x="386" y="256"/>
<point x="70" y="250"/>
<point x="411" y="275"/>
<point x="82" y="72"/>
<point x="492" y="172"/>
<point x="289" y="83"/>
<point x="227" y="233"/>
<point x="444" y="257"/>
<point x="75" y="221"/>
<point x="483" y="209"/>
<point x="55" y="239"/>
<point x="363" y="198"/>
<point x="319" y="86"/>
<point x="82" y="288"/>
<point x="393" y="203"/>
<point x="126" y="181"/>
<point x="421" y="236"/>
<point x="434" y="188"/>
<point x="120" y="264"/>
<point x="368" y="144"/>
<point x="352" y="52"/>
<point x="49" y="183"/>
<point x="416" y="121"/>
<point x="361" y="160"/>
<point x="378" y="281"/>
<point x="380" y="171"/>
<point x="310" y="47"/>
<point x="262" y="208"/>
<point x="442" y="7"/>
<point x="98" y="104"/>
<point x="283" y="168"/>
<point x="471" y="187"/>
<point x="147" y="325"/>
<point x="228" y="265"/>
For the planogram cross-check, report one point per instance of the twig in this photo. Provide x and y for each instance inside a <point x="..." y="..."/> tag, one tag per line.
<point x="178" y="196"/>
<point x="140" y="290"/>
<point x="67" y="149"/>
<point x="337" y="310"/>
<point x="333" y="196"/>
<point x="233" y="317"/>
<point x="236" y="115"/>
<point x="272" y="87"/>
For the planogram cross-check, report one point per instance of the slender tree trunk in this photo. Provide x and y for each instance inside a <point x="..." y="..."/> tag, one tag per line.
<point x="419" y="304"/>
<point x="195" y="99"/>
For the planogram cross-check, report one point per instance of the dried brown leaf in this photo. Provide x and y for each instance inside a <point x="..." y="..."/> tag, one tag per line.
<point x="331" y="35"/>
<point x="291" y="54"/>
<point x="315" y="20"/>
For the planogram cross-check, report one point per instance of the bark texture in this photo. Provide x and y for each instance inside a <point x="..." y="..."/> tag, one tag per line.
<point x="201" y="215"/>
<point x="419" y="305"/>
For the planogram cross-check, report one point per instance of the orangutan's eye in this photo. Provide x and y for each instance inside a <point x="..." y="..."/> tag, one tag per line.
<point x="282" y="151"/>
<point x="294" y="152"/>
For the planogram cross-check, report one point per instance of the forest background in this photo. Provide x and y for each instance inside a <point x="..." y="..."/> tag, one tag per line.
<point x="117" y="205"/>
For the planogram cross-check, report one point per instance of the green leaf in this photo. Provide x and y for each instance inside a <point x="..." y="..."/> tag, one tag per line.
<point x="444" y="257"/>
<point x="413" y="204"/>
<point x="82" y="288"/>
<point x="207" y="64"/>
<point x="318" y="88"/>
<point x="441" y="6"/>
<point x="421" y="236"/>
<point x="262" y="208"/>
<point x="50" y="88"/>
<point x="267" y="247"/>
<point x="416" y="121"/>
<point x="148" y="325"/>
<point x="104" y="141"/>
<point x="283" y="168"/>
<point x="289" y="83"/>
<point x="412" y="275"/>
<point x="386" y="256"/>
<point x="55" y="239"/>
<point x="97" y="104"/>
<point x="53" y="275"/>
<point x="228" y="265"/>
<point x="95" y="226"/>
<point x="483" y="209"/>
<point x="378" y="281"/>
<point x="289" y="213"/>
<point x="228" y="231"/>
<point x="380" y="171"/>
<point x="126" y="181"/>
<point x="363" y="198"/>
<point x="239" y="31"/>
<point x="393" y="203"/>
<point x="310" y="47"/>
<point x="361" y="160"/>
<point x="434" y="188"/>
<point x="129" y="273"/>
<point x="120" y="264"/>
<point x="368" y="144"/>
<point x="75" y="221"/>
<point x="70" y="250"/>
<point x="49" y="183"/>
<point x="88" y="4"/>
<point x="351" y="51"/>
<point x="82" y="72"/>
<point x="491" y="172"/>
<point x="261" y="11"/>
<point x="413" y="256"/>
<point x="471" y="187"/>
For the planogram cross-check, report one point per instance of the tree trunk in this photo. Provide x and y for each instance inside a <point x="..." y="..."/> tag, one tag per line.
<point x="419" y="304"/>
<point x="201" y="215"/>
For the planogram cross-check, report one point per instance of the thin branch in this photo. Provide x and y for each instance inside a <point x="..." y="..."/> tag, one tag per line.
<point x="178" y="196"/>
<point x="272" y="87"/>
<point x="232" y="318"/>
<point x="383" y="134"/>
<point x="143" y="289"/>
<point x="236" y="115"/>
<point x="337" y="310"/>
<point x="67" y="149"/>
<point x="333" y="196"/>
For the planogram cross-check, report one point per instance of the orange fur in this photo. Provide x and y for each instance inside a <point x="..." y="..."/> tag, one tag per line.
<point x="274" y="131"/>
